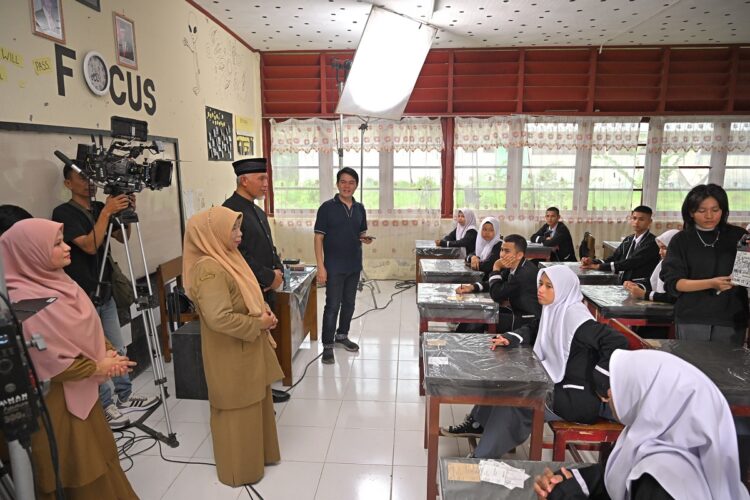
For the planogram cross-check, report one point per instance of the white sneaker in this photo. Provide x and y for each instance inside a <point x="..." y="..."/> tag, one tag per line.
<point x="115" y="418"/>
<point x="136" y="402"/>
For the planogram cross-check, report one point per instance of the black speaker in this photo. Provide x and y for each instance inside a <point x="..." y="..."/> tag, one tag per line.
<point x="189" y="378"/>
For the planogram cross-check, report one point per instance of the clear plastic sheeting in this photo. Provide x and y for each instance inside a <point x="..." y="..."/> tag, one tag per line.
<point x="727" y="366"/>
<point x="448" y="271"/>
<point x="588" y="276"/>
<point x="298" y="289"/>
<point x="440" y="302"/>
<point x="458" y="362"/>
<point x="472" y="490"/>
<point x="537" y="251"/>
<point x="428" y="248"/>
<point x="613" y="301"/>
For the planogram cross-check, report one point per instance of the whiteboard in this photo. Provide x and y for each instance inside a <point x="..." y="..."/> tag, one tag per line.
<point x="31" y="177"/>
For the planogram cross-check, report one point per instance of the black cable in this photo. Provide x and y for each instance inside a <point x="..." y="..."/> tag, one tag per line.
<point x="27" y="447"/>
<point x="401" y="286"/>
<point x="260" y="497"/>
<point x="303" y="373"/>
<point x="43" y="411"/>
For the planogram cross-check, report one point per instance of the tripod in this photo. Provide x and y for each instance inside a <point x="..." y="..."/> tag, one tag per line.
<point x="145" y="303"/>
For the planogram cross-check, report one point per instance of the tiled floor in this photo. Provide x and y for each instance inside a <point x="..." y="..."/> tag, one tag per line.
<point x="350" y="431"/>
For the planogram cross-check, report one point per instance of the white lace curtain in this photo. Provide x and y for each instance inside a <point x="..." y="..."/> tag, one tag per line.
<point x="409" y="134"/>
<point x="565" y="134"/>
<point x="703" y="135"/>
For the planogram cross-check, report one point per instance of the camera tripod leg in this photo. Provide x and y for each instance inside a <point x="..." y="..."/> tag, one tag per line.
<point x="22" y="472"/>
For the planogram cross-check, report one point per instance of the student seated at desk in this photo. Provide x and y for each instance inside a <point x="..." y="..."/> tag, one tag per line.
<point x="679" y="439"/>
<point x="512" y="284"/>
<point x="637" y="255"/>
<point x="488" y="245"/>
<point x="555" y="234"/>
<point x="575" y="351"/>
<point x="653" y="289"/>
<point x="465" y="233"/>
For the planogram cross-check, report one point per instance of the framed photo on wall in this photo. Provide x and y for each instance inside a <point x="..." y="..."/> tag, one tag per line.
<point x="125" y="41"/>
<point x="93" y="4"/>
<point x="47" y="19"/>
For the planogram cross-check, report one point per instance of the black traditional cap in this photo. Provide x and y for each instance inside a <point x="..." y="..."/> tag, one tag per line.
<point x="250" y="166"/>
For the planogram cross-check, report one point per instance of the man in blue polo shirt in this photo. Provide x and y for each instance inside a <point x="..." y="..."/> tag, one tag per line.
<point x="340" y="230"/>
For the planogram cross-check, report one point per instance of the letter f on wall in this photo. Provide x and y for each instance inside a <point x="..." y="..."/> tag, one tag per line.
<point x="62" y="71"/>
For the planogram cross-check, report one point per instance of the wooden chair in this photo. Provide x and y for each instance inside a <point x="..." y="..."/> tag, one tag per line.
<point x="598" y="436"/>
<point x="166" y="273"/>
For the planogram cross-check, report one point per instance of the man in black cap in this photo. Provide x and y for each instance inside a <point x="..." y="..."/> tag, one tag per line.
<point x="257" y="244"/>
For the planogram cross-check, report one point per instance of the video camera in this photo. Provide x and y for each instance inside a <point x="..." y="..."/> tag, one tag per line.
<point x="115" y="169"/>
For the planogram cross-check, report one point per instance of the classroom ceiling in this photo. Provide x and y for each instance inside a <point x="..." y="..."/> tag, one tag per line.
<point x="282" y="25"/>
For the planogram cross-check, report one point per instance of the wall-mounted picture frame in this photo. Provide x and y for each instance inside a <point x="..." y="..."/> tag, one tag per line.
<point x="47" y="19"/>
<point x="92" y="4"/>
<point x="125" y="41"/>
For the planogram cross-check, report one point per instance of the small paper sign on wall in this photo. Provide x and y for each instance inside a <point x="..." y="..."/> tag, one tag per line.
<point x="220" y="136"/>
<point x="741" y="271"/>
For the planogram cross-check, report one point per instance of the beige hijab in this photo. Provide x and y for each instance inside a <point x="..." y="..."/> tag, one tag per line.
<point x="209" y="235"/>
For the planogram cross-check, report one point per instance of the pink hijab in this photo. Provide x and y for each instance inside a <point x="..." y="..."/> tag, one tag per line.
<point x="70" y="326"/>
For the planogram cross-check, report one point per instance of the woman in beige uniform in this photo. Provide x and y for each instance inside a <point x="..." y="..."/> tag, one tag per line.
<point x="238" y="356"/>
<point x="77" y="360"/>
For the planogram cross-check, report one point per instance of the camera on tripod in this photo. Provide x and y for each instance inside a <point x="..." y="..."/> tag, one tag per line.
<point x="116" y="168"/>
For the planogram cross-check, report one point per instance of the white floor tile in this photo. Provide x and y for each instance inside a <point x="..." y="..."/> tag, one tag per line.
<point x="200" y="481"/>
<point x="191" y="410"/>
<point x="408" y="352"/>
<point x="304" y="444"/>
<point x="408" y="370"/>
<point x="320" y="388"/>
<point x="366" y="415"/>
<point x="292" y="480"/>
<point x="408" y="449"/>
<point x="311" y="413"/>
<point x="409" y="483"/>
<point x="378" y="350"/>
<point x="374" y="368"/>
<point x="151" y="476"/>
<point x="408" y="392"/>
<point x="361" y="446"/>
<point x="189" y="435"/>
<point x="370" y="389"/>
<point x="354" y="482"/>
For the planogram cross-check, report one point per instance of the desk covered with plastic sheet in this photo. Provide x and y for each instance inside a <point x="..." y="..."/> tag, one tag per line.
<point x="448" y="271"/>
<point x="727" y="366"/>
<point x="613" y="301"/>
<point x="537" y="251"/>
<point x="428" y="249"/>
<point x="588" y="276"/>
<point x="440" y="302"/>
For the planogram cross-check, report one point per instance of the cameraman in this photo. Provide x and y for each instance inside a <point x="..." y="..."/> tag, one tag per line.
<point x="85" y="228"/>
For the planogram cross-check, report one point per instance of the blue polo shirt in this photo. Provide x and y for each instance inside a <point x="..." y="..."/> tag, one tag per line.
<point x="341" y="227"/>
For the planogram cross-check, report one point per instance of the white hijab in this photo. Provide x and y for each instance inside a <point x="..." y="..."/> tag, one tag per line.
<point x="678" y="428"/>
<point x="559" y="320"/>
<point x="657" y="285"/>
<point x="484" y="248"/>
<point x="470" y="222"/>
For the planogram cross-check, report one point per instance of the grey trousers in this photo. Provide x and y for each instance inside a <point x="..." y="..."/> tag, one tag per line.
<point x="714" y="333"/>
<point x="506" y="427"/>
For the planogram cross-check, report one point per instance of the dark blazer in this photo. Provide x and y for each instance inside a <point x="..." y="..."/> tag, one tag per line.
<point x="562" y="240"/>
<point x="469" y="240"/>
<point x="257" y="243"/>
<point x="486" y="265"/>
<point x="645" y="487"/>
<point x="519" y="289"/>
<point x="641" y="262"/>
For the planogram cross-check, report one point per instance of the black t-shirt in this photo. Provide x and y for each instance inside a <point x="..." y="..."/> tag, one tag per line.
<point x="84" y="268"/>
<point x="341" y="226"/>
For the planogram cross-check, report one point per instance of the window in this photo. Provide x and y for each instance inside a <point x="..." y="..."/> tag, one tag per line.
<point x="369" y="183"/>
<point x="416" y="180"/>
<point x="480" y="178"/>
<point x="681" y="170"/>
<point x="737" y="181"/>
<point x="296" y="180"/>
<point x="616" y="175"/>
<point x="547" y="179"/>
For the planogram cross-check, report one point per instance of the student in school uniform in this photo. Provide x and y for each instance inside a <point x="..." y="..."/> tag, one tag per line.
<point x="465" y="233"/>
<point x="487" y="249"/>
<point x="512" y="284"/>
<point x="637" y="255"/>
<point x="653" y="289"/>
<point x="679" y="439"/>
<point x="573" y="348"/>
<point x="555" y="234"/>
<point x="697" y="270"/>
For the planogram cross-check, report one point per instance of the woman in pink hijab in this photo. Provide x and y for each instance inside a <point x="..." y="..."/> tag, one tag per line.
<point x="76" y="361"/>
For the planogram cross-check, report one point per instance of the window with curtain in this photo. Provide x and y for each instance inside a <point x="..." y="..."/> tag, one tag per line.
<point x="417" y="177"/>
<point x="547" y="179"/>
<point x="685" y="162"/>
<point x="369" y="183"/>
<point x="481" y="178"/>
<point x="296" y="180"/>
<point x="737" y="181"/>
<point x="616" y="175"/>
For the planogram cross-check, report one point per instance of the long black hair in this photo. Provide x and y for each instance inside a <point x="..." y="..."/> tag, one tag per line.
<point x="697" y="195"/>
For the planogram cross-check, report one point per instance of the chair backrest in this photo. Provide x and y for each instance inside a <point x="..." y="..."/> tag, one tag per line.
<point x="587" y="248"/>
<point x="635" y="341"/>
<point x="166" y="273"/>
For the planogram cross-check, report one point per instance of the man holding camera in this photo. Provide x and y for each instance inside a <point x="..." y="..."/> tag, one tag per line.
<point x="257" y="243"/>
<point x="85" y="225"/>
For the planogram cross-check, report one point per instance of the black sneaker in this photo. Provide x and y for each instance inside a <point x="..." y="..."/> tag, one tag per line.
<point x="347" y="344"/>
<point x="328" y="358"/>
<point x="469" y="428"/>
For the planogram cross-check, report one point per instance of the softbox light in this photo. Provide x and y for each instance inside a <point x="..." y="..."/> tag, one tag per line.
<point x="386" y="65"/>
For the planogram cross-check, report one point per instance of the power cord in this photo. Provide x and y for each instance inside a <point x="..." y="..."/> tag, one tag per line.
<point x="401" y="287"/>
